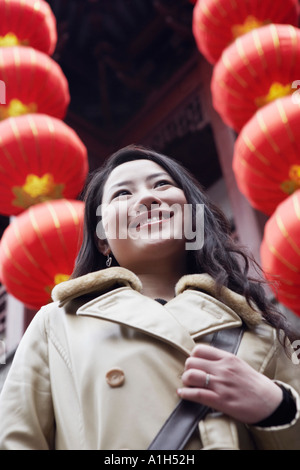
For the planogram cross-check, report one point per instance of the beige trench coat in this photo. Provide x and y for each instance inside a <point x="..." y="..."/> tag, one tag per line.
<point x="99" y="367"/>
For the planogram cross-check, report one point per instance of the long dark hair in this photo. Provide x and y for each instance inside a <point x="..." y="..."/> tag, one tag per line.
<point x="220" y="257"/>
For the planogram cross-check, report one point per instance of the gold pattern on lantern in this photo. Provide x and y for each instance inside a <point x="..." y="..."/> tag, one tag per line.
<point x="249" y="24"/>
<point x="16" y="108"/>
<point x="58" y="278"/>
<point x="291" y="185"/>
<point x="276" y="90"/>
<point x="36" y="186"/>
<point x="37" y="189"/>
<point x="10" y="40"/>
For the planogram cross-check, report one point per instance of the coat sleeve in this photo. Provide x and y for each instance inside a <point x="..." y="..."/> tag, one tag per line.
<point x="286" y="372"/>
<point x="26" y="410"/>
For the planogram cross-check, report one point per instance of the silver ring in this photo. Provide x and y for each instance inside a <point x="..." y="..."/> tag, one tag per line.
<point x="207" y="379"/>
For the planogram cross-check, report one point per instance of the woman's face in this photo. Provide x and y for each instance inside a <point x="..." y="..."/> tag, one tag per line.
<point x="142" y="214"/>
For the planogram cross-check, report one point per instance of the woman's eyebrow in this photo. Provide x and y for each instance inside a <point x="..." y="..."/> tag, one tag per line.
<point x="121" y="183"/>
<point x="150" y="177"/>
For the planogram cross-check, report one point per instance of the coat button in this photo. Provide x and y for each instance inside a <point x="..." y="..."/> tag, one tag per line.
<point x="115" y="377"/>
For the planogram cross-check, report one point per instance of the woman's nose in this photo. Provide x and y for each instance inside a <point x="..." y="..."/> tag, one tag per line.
<point x="146" y="201"/>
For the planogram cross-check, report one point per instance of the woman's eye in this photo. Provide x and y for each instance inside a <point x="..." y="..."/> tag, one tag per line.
<point x="162" y="183"/>
<point x="122" y="192"/>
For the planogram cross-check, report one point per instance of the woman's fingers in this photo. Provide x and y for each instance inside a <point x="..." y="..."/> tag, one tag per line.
<point x="226" y="383"/>
<point x="194" y="377"/>
<point x="199" y="395"/>
<point x="210" y="353"/>
<point x="206" y="358"/>
<point x="198" y="363"/>
<point x="201" y="366"/>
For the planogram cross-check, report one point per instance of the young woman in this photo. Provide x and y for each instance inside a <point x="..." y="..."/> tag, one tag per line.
<point x="158" y="273"/>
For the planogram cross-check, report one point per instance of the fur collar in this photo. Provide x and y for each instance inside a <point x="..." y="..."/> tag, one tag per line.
<point x="104" y="280"/>
<point x="98" y="281"/>
<point x="236" y="302"/>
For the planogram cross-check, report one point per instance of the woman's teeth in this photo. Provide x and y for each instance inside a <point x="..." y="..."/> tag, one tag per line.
<point x="149" y="221"/>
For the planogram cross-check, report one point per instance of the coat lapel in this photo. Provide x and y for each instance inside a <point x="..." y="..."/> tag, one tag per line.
<point x="200" y="314"/>
<point x="194" y="312"/>
<point x="130" y="308"/>
<point x="185" y="318"/>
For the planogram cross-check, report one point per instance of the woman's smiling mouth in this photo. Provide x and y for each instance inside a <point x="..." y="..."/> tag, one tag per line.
<point x="150" y="218"/>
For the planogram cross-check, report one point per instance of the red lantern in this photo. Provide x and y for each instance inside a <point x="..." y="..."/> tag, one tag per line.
<point x="266" y="158"/>
<point x="34" y="83"/>
<point x="280" y="252"/>
<point x="38" y="250"/>
<point x="28" y="23"/>
<point x="41" y="158"/>
<point x="256" y="69"/>
<point x="216" y="24"/>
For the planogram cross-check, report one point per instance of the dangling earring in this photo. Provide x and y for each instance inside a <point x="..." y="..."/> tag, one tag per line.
<point x="108" y="261"/>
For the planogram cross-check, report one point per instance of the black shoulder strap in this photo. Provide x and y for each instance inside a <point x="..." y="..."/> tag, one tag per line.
<point x="185" y="417"/>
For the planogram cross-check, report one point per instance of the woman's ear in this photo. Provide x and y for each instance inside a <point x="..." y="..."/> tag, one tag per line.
<point x="102" y="246"/>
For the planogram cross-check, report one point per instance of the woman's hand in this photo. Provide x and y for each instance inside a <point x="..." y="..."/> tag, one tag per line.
<point x="233" y="387"/>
